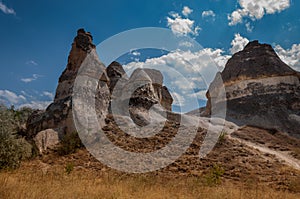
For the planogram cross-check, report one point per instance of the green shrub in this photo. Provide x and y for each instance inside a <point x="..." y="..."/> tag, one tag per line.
<point x="69" y="168"/>
<point x="69" y="144"/>
<point x="214" y="176"/>
<point x="222" y="137"/>
<point x="13" y="150"/>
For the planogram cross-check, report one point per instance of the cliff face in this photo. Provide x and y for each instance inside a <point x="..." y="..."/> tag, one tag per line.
<point x="261" y="90"/>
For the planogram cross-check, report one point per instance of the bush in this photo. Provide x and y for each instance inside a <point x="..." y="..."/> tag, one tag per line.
<point x="13" y="150"/>
<point x="222" y="137"/>
<point x="69" y="168"/>
<point x="214" y="176"/>
<point x="69" y="144"/>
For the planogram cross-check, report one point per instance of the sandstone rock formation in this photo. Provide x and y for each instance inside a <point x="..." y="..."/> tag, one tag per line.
<point x="47" y="139"/>
<point x="134" y="96"/>
<point x="261" y="90"/>
<point x="115" y="72"/>
<point x="58" y="115"/>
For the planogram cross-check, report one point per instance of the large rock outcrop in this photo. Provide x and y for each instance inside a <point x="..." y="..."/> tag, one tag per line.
<point x="134" y="96"/>
<point x="58" y="115"/>
<point x="261" y="90"/>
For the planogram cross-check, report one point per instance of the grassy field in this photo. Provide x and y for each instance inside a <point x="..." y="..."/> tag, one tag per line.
<point x="57" y="183"/>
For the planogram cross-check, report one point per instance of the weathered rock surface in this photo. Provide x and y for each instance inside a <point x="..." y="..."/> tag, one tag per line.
<point x="261" y="90"/>
<point x="83" y="61"/>
<point x="135" y="96"/>
<point x="58" y="115"/>
<point x="47" y="139"/>
<point x="115" y="72"/>
<point x="255" y="61"/>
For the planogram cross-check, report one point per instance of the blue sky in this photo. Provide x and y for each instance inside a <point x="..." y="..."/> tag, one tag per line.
<point x="36" y="36"/>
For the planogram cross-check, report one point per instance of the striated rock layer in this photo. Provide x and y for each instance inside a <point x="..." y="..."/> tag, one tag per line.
<point x="261" y="90"/>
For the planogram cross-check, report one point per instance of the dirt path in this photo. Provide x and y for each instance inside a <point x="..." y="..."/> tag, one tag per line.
<point x="288" y="160"/>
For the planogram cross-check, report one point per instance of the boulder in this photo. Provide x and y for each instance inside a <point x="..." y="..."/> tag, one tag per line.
<point x="47" y="139"/>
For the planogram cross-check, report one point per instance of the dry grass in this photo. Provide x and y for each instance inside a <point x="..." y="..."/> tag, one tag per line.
<point x="57" y="184"/>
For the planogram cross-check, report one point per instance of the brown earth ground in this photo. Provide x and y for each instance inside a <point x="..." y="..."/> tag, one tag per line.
<point x="248" y="172"/>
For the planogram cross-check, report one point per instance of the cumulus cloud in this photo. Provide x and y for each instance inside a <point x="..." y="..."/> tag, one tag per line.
<point x="182" y="26"/>
<point x="290" y="56"/>
<point x="256" y="9"/>
<point x="186" y="73"/>
<point x="6" y="10"/>
<point x="48" y="94"/>
<point x="238" y="43"/>
<point x="136" y="53"/>
<point x="30" y="79"/>
<point x="11" y="98"/>
<point x="208" y="13"/>
<point x="186" y="44"/>
<point x="36" y="104"/>
<point x="178" y="99"/>
<point x="186" y="11"/>
<point x="249" y="27"/>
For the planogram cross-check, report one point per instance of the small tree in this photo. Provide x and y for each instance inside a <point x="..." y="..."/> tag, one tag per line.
<point x="215" y="175"/>
<point x="69" y="144"/>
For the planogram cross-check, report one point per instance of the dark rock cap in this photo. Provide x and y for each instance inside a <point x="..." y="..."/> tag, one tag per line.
<point x="256" y="60"/>
<point x="84" y="40"/>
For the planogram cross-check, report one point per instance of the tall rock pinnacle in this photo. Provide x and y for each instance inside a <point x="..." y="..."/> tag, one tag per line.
<point x="82" y="45"/>
<point x="58" y="117"/>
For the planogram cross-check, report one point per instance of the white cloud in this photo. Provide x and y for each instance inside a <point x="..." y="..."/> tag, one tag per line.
<point x="36" y="104"/>
<point x="32" y="63"/>
<point x="186" y="44"/>
<point x="182" y="26"/>
<point x="249" y="27"/>
<point x="200" y="95"/>
<point x="6" y="10"/>
<point x="186" y="11"/>
<point x="178" y="99"/>
<point x="290" y="56"/>
<point x="238" y="43"/>
<point x="136" y="53"/>
<point x="186" y="71"/>
<point x="30" y="79"/>
<point x="256" y="9"/>
<point x="208" y="13"/>
<point x="48" y="94"/>
<point x="11" y="98"/>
